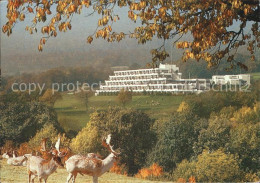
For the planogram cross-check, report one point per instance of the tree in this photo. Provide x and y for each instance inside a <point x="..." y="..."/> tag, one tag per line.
<point x="124" y="96"/>
<point x="245" y="142"/>
<point x="49" y="97"/>
<point x="211" y="23"/>
<point x="131" y="132"/>
<point x="19" y="121"/>
<point x="88" y="140"/>
<point x="175" y="142"/>
<point x="247" y="115"/>
<point x="216" y="136"/>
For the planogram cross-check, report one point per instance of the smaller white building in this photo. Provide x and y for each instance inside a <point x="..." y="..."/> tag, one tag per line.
<point x="239" y="79"/>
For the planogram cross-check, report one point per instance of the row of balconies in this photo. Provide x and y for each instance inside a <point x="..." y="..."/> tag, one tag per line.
<point x="132" y="72"/>
<point x="136" y="83"/>
<point x="149" y="88"/>
<point x="137" y="80"/>
<point x="143" y="86"/>
<point x="133" y="76"/>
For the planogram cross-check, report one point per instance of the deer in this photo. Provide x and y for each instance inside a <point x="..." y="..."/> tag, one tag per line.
<point x="17" y="161"/>
<point x="14" y="159"/>
<point x="42" y="168"/>
<point x="91" y="164"/>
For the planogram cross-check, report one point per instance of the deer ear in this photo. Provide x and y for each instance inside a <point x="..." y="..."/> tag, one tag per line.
<point x="43" y="144"/>
<point x="57" y="145"/>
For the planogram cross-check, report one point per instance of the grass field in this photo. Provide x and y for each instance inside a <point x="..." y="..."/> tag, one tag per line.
<point x="17" y="174"/>
<point x="73" y="114"/>
<point x="256" y="75"/>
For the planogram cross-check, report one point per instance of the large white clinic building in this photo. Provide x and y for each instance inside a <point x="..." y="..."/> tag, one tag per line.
<point x="165" y="78"/>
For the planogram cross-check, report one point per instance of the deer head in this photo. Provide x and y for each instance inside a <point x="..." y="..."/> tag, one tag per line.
<point x="57" y="154"/>
<point x="106" y="144"/>
<point x="54" y="150"/>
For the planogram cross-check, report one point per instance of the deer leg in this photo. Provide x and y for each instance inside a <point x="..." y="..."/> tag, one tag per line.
<point x="69" y="177"/>
<point x="95" y="179"/>
<point x="33" y="177"/>
<point x="29" y="176"/>
<point x="74" y="177"/>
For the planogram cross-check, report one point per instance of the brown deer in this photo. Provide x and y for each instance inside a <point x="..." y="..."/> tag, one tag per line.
<point x="42" y="168"/>
<point x="91" y="164"/>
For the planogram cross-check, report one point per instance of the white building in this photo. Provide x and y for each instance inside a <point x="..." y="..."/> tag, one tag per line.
<point x="240" y="79"/>
<point x="166" y="78"/>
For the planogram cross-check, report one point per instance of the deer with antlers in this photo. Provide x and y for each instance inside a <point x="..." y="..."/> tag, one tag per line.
<point x="91" y="164"/>
<point x="42" y="168"/>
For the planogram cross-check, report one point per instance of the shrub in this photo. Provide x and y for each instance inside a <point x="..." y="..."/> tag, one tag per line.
<point x="209" y="167"/>
<point x="190" y="180"/>
<point x="181" y="180"/>
<point x="217" y="167"/>
<point x="151" y="172"/>
<point x="183" y="107"/>
<point x="24" y="148"/>
<point x="184" y="170"/>
<point x="8" y="146"/>
<point x="118" y="169"/>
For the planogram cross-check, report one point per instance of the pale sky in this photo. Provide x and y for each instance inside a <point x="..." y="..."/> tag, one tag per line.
<point x="23" y="46"/>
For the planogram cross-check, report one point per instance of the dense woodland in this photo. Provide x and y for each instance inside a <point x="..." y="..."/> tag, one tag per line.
<point x="213" y="136"/>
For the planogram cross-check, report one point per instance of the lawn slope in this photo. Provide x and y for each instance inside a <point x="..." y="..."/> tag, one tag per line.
<point x="73" y="114"/>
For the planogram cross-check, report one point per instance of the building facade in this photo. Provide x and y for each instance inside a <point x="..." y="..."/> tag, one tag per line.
<point x="166" y="78"/>
<point x="240" y="79"/>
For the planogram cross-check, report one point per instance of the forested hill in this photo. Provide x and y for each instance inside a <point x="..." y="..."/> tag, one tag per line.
<point x="119" y="55"/>
<point x="195" y="69"/>
<point x="101" y="69"/>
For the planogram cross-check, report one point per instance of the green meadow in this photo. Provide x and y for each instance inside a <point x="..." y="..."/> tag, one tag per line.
<point x="74" y="115"/>
<point x="255" y="75"/>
